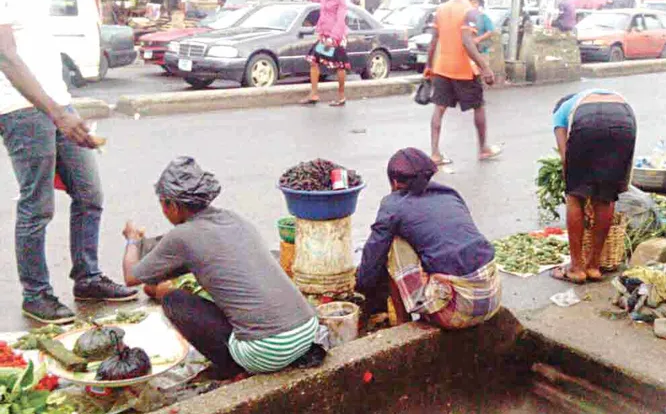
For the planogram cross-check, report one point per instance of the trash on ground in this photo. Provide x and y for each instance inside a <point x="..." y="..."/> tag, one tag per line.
<point x="565" y="299"/>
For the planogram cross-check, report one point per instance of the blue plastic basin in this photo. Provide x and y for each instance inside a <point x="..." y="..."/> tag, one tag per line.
<point x="322" y="205"/>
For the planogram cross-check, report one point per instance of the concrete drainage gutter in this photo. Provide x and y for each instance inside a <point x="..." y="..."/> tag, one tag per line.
<point x="214" y="100"/>
<point x="403" y="359"/>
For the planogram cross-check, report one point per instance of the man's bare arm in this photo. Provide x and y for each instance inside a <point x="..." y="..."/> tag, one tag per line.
<point x="432" y="48"/>
<point x="130" y="259"/>
<point x="473" y="51"/>
<point x="20" y="76"/>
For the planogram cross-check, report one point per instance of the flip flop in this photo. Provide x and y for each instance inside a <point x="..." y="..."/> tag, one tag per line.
<point x="563" y="274"/>
<point x="443" y="161"/>
<point x="342" y="102"/>
<point x="309" y="101"/>
<point x="495" y="151"/>
<point x="590" y="272"/>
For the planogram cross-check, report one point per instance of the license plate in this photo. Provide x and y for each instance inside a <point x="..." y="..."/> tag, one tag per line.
<point x="185" y="65"/>
<point x="421" y="58"/>
<point x="148" y="54"/>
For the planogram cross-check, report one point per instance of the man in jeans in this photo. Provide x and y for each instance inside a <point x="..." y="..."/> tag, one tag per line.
<point x="43" y="134"/>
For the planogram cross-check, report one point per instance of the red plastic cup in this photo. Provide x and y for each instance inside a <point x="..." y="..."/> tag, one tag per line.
<point x="340" y="179"/>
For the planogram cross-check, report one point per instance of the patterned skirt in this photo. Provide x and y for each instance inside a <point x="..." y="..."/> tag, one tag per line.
<point x="331" y="57"/>
<point x="451" y="302"/>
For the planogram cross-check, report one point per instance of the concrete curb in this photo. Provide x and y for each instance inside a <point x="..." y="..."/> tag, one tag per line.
<point x="89" y="108"/>
<point x="397" y="358"/>
<point x="634" y="67"/>
<point x="202" y="101"/>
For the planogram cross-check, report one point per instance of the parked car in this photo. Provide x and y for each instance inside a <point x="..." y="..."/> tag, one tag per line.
<point x="75" y="24"/>
<point x="616" y="35"/>
<point x="386" y="7"/>
<point x="414" y="19"/>
<point x="153" y="46"/>
<point x="117" y="48"/>
<point x="418" y="45"/>
<point x="582" y="13"/>
<point x="272" y="42"/>
<point x="655" y="5"/>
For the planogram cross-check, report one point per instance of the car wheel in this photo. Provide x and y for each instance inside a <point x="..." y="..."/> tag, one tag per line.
<point x="261" y="72"/>
<point x="616" y="54"/>
<point x="103" y="67"/>
<point x="197" y="83"/>
<point x="378" y="66"/>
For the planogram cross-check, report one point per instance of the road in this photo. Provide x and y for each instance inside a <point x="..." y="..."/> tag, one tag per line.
<point x="146" y="79"/>
<point x="249" y="149"/>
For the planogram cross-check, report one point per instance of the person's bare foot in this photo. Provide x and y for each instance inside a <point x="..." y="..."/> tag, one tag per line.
<point x="571" y="274"/>
<point x="310" y="100"/>
<point x="490" y="152"/>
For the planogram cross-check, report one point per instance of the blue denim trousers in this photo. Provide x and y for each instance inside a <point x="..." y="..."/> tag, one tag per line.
<point x="37" y="149"/>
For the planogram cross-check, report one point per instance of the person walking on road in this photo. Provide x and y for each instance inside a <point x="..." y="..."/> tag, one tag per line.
<point x="596" y="135"/>
<point x="329" y="50"/>
<point x="454" y="75"/>
<point x="42" y="134"/>
<point x="485" y="29"/>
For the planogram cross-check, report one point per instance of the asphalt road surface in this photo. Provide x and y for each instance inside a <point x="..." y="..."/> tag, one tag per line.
<point x="249" y="149"/>
<point x="147" y="79"/>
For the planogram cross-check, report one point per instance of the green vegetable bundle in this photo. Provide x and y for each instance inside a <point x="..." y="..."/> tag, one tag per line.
<point x="522" y="253"/>
<point x="17" y="390"/>
<point x="550" y="187"/>
<point x="31" y="340"/>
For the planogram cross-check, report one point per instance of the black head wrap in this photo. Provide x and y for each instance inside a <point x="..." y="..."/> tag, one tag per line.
<point x="184" y="181"/>
<point x="562" y="101"/>
<point x="412" y="167"/>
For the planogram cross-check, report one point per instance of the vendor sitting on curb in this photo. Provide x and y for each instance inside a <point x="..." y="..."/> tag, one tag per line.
<point x="426" y="249"/>
<point x="596" y="134"/>
<point x="259" y="320"/>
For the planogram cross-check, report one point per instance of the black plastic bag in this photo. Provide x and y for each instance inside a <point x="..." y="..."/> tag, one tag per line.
<point x="128" y="363"/>
<point x="97" y="343"/>
<point x="424" y="92"/>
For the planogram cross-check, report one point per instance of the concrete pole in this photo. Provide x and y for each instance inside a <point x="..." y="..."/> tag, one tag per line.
<point x="513" y="29"/>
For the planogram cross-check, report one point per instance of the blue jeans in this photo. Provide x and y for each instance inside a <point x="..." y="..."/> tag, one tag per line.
<point x="37" y="150"/>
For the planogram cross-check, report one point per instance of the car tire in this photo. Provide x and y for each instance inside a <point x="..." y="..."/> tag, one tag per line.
<point x="103" y="67"/>
<point x="260" y="72"/>
<point x="197" y="83"/>
<point x="378" y="66"/>
<point x="616" y="54"/>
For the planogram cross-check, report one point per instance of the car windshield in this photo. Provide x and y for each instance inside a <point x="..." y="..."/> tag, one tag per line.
<point x="398" y="4"/>
<point x="226" y="18"/>
<point x="604" y="21"/>
<point x="409" y="16"/>
<point x="274" y="17"/>
<point x="496" y="15"/>
<point x="656" y="6"/>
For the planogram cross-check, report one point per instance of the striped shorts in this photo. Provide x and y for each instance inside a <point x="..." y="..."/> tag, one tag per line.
<point x="275" y="352"/>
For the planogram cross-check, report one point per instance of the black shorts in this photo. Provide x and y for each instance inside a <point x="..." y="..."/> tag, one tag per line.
<point x="600" y="151"/>
<point x="451" y="92"/>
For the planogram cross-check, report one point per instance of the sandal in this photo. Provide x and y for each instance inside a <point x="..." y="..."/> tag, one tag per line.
<point x="594" y="275"/>
<point x="443" y="161"/>
<point x="563" y="274"/>
<point x="341" y="102"/>
<point x="495" y="151"/>
<point x="308" y="101"/>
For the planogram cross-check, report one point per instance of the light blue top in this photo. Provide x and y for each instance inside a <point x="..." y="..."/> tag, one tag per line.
<point x="561" y="116"/>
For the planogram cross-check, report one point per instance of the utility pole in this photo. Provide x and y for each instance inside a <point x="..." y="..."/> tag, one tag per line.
<point x="513" y="29"/>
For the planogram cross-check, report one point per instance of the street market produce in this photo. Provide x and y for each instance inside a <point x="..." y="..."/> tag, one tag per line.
<point x="130" y="317"/>
<point x="8" y="358"/>
<point x="522" y="253"/>
<point x="97" y="343"/>
<point x="127" y="363"/>
<point x="315" y="175"/>
<point x="69" y="360"/>
<point x="17" y="391"/>
<point x="190" y="284"/>
<point x="30" y="341"/>
<point x="551" y="187"/>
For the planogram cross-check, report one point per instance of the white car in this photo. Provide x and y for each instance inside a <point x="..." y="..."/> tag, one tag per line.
<point x="75" y="24"/>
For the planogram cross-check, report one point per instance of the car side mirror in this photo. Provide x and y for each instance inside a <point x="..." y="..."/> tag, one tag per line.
<point x="306" y="31"/>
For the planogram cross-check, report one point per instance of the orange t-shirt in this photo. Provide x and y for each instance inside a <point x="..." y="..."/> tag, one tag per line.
<point x="451" y="19"/>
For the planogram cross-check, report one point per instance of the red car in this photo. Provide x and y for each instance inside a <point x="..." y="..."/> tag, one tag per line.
<point x="153" y="46"/>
